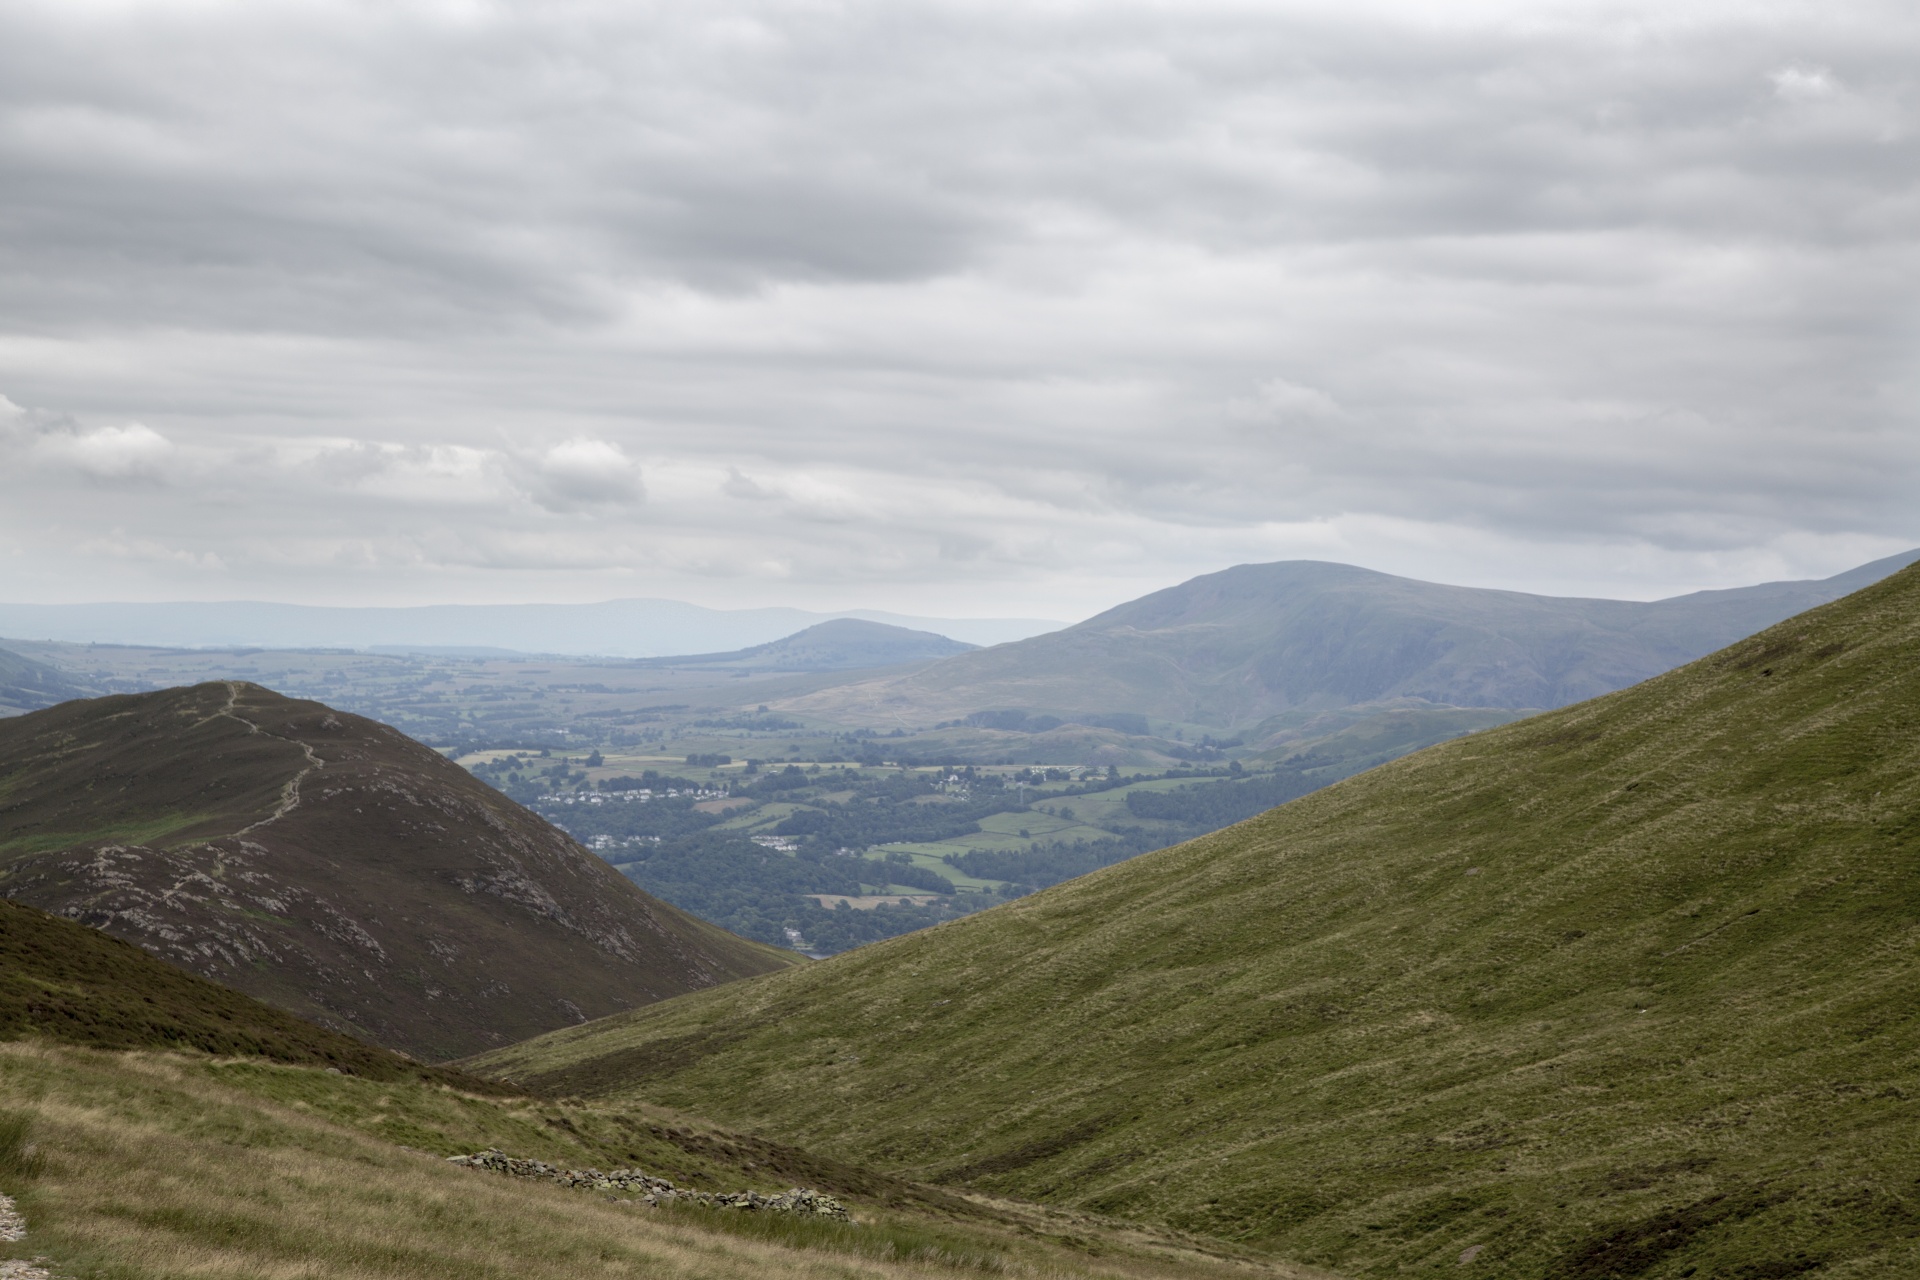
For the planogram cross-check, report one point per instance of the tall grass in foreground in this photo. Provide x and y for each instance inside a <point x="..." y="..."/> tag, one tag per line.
<point x="20" y="1158"/>
<point x="155" y="1167"/>
<point x="884" y="1241"/>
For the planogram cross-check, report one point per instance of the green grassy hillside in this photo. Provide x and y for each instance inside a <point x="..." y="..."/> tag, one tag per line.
<point x="1628" y="989"/>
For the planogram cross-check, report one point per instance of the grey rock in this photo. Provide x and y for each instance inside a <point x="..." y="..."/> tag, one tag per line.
<point x="655" y="1191"/>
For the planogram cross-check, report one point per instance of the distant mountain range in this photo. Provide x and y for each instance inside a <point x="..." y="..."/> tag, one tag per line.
<point x="613" y="628"/>
<point x="334" y="867"/>
<point x="840" y="645"/>
<point x="1626" y="989"/>
<point x="1230" y="649"/>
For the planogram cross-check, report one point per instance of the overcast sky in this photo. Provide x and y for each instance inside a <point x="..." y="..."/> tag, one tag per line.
<point x="966" y="309"/>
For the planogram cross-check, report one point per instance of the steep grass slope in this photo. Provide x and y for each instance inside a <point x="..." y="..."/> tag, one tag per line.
<point x="1628" y="989"/>
<point x="1257" y="640"/>
<point x="334" y="867"/>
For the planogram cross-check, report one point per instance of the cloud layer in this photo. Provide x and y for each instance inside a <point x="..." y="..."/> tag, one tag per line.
<point x="949" y="308"/>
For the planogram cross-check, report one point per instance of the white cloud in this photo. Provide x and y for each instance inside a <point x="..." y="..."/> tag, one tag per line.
<point x="583" y="473"/>
<point x="1804" y="84"/>
<point x="441" y="474"/>
<point x="134" y="451"/>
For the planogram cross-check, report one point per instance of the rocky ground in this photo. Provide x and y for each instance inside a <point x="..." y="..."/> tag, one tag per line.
<point x="656" y="1191"/>
<point x="13" y="1227"/>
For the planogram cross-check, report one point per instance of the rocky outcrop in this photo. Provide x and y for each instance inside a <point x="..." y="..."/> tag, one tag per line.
<point x="657" y="1191"/>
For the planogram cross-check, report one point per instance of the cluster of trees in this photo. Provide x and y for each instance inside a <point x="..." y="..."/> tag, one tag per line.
<point x="1056" y="860"/>
<point x="899" y="868"/>
<point x="724" y="877"/>
<point x="759" y="720"/>
<point x="791" y="778"/>
<point x="858" y="825"/>
<point x="1208" y="806"/>
<point x="651" y="780"/>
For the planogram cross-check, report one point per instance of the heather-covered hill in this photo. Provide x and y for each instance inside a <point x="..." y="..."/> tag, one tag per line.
<point x="64" y="982"/>
<point x="1630" y="989"/>
<point x="334" y="867"/>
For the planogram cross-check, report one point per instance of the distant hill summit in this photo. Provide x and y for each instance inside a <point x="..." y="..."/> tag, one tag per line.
<point x="26" y="685"/>
<point x="1627" y="989"/>
<point x="1234" y="647"/>
<point x="843" y="644"/>
<point x="334" y="867"/>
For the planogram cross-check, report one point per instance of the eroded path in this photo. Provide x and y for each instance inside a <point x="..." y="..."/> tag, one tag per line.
<point x="290" y="793"/>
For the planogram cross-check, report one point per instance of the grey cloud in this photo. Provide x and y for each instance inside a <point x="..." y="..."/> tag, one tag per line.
<point x="1053" y="296"/>
<point x="582" y="473"/>
<point x="119" y="454"/>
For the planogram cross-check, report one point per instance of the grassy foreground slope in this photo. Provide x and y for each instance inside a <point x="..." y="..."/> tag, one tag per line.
<point x="155" y="1124"/>
<point x="170" y="1166"/>
<point x="1627" y="989"/>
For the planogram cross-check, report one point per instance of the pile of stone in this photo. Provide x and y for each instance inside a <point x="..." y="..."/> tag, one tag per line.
<point x="12" y="1225"/>
<point x="657" y="1191"/>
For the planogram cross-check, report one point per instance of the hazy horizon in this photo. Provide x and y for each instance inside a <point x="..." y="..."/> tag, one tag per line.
<point x="620" y="628"/>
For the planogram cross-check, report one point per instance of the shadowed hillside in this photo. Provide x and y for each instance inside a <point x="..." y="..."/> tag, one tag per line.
<point x="65" y="982"/>
<point x="334" y="867"/>
<point x="26" y="685"/>
<point x="1627" y="989"/>
<point x="1232" y="648"/>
